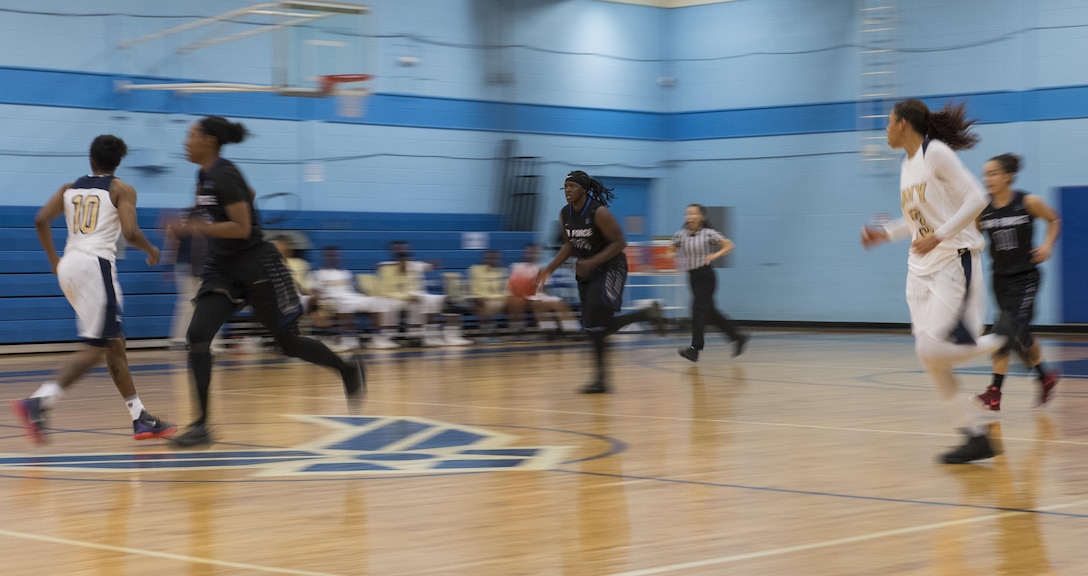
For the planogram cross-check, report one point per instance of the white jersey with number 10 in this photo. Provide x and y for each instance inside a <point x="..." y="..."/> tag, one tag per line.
<point x="93" y="224"/>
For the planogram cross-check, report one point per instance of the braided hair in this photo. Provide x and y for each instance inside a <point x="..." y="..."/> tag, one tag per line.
<point x="592" y="186"/>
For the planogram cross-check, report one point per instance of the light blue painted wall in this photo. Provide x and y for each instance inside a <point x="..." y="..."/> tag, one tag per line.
<point x="798" y="256"/>
<point x="765" y="53"/>
<point x="579" y="69"/>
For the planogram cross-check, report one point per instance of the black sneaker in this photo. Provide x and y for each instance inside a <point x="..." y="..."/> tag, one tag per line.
<point x="596" y="387"/>
<point x="147" y="427"/>
<point x="194" y="436"/>
<point x="657" y="318"/>
<point x="32" y="416"/>
<point x="976" y="448"/>
<point x="689" y="353"/>
<point x="739" y="344"/>
<point x="354" y="377"/>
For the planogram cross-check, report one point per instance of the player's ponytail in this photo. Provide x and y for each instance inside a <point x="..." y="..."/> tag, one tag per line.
<point x="1010" y="163"/>
<point x="949" y="124"/>
<point x="224" y="131"/>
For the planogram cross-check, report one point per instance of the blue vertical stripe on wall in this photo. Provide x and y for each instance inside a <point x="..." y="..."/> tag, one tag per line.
<point x="1073" y="205"/>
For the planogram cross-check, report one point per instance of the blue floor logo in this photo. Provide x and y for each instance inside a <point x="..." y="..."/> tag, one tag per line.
<point x="359" y="445"/>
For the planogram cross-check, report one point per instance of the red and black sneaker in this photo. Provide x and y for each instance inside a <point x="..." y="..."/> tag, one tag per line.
<point x="1047" y="383"/>
<point x="990" y="399"/>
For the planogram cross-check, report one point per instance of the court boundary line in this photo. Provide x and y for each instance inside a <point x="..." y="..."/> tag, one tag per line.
<point x="163" y="555"/>
<point x="1043" y="511"/>
<point x="835" y="542"/>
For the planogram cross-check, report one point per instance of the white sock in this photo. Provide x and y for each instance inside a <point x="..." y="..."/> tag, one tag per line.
<point x="135" y="406"/>
<point x="49" y="392"/>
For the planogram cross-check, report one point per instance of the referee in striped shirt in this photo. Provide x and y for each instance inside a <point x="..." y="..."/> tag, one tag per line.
<point x="697" y="245"/>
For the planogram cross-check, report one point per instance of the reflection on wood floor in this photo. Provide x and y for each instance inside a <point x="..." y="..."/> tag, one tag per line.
<point x="813" y="453"/>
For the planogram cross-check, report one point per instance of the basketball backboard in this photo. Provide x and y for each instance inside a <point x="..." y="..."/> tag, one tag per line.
<point x="299" y="43"/>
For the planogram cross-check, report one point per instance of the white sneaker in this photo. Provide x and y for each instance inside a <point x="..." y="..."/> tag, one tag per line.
<point x="340" y="345"/>
<point x="456" y="340"/>
<point x="382" y="343"/>
<point x="433" y="341"/>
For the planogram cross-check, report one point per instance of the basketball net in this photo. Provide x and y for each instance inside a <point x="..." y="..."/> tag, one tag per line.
<point x="349" y="103"/>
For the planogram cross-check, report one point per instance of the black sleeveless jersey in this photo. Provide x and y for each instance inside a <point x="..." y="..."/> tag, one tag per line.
<point x="216" y="189"/>
<point x="585" y="237"/>
<point x="1011" y="230"/>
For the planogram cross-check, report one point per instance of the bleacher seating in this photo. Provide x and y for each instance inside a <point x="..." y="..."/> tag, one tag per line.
<point x="33" y="310"/>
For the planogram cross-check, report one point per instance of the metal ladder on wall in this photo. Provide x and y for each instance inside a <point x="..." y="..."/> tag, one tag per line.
<point x="877" y="20"/>
<point x="518" y="188"/>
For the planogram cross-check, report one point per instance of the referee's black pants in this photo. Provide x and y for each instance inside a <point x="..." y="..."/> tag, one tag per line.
<point x="703" y="284"/>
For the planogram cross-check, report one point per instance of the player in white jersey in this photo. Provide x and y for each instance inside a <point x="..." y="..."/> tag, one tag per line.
<point x="940" y="200"/>
<point x="98" y="208"/>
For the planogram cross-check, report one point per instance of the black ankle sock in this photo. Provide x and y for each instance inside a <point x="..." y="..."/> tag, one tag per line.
<point x="998" y="381"/>
<point x="1042" y="371"/>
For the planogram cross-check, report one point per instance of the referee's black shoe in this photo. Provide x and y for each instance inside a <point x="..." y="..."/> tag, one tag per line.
<point x="354" y="375"/>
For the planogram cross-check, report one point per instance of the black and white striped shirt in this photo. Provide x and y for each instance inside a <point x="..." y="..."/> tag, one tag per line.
<point x="692" y="248"/>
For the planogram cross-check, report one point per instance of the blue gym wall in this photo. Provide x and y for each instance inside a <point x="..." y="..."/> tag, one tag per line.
<point x="761" y="117"/>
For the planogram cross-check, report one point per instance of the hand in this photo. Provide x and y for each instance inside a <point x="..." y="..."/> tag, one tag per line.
<point x="709" y="258"/>
<point x="178" y="227"/>
<point x="1040" y="254"/>
<point x="871" y="236"/>
<point x="542" y="277"/>
<point x="925" y="245"/>
<point x="153" y="256"/>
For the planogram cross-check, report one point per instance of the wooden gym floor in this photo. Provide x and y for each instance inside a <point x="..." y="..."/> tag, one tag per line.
<point x="813" y="453"/>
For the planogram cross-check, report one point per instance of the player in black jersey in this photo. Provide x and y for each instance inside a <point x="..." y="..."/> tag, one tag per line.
<point x="591" y="233"/>
<point x="240" y="268"/>
<point x="1009" y="222"/>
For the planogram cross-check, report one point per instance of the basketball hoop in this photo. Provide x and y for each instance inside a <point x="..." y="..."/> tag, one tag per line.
<point x="330" y="83"/>
<point x="349" y="102"/>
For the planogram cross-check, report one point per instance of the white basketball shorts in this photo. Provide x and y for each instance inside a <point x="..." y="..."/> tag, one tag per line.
<point x="942" y="301"/>
<point x="90" y="285"/>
